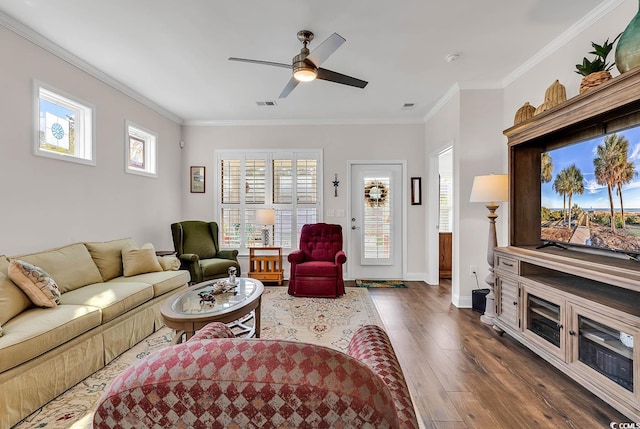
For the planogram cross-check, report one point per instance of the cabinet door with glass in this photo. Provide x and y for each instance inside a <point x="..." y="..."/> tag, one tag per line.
<point x="543" y="319"/>
<point x="507" y="292"/>
<point x="602" y="348"/>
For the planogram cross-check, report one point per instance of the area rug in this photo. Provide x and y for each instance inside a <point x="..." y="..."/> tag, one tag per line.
<point x="380" y="283"/>
<point x="329" y="322"/>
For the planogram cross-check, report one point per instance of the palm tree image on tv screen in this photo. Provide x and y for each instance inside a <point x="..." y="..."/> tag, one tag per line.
<point x="591" y="193"/>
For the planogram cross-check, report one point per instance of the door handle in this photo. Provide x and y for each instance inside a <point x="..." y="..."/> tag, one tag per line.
<point x="355" y="227"/>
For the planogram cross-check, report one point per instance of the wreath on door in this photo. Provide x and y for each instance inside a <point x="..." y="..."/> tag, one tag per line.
<point x="375" y="193"/>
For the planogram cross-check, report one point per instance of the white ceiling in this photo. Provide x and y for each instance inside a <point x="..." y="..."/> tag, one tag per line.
<point x="175" y="53"/>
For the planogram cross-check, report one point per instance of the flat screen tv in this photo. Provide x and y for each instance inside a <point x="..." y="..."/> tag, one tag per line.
<point x="586" y="185"/>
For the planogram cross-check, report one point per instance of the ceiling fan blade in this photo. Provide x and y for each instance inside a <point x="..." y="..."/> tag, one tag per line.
<point x="266" y="63"/>
<point x="326" y="48"/>
<point x="290" y="87"/>
<point x="336" y="77"/>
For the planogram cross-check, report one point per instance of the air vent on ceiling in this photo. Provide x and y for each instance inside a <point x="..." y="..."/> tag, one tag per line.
<point x="407" y="106"/>
<point x="266" y="103"/>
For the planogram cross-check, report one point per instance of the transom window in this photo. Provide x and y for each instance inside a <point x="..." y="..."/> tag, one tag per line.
<point x="288" y="182"/>
<point x="64" y="126"/>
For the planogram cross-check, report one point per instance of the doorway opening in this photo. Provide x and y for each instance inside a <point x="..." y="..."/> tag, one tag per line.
<point x="445" y="213"/>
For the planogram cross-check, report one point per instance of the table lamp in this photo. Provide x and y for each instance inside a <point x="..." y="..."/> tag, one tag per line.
<point x="266" y="217"/>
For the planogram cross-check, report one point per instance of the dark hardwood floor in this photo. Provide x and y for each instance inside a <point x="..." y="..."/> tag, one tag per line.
<point x="463" y="374"/>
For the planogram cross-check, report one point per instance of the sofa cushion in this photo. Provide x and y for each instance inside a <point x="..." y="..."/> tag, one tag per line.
<point x="71" y="266"/>
<point x="140" y="260"/>
<point x="108" y="256"/>
<point x="12" y="300"/>
<point x="41" y="289"/>
<point x="113" y="299"/>
<point x="38" y="330"/>
<point x="163" y="282"/>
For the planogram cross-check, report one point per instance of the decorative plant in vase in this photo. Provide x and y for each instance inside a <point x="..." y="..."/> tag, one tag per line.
<point x="596" y="71"/>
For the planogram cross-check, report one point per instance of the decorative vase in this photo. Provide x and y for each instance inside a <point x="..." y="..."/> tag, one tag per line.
<point x="524" y="113"/>
<point x="628" y="48"/>
<point x="556" y="93"/>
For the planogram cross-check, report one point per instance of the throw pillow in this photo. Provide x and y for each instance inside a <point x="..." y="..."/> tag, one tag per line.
<point x="41" y="289"/>
<point x="139" y="261"/>
<point x="169" y="263"/>
<point x="108" y="256"/>
<point x="12" y="300"/>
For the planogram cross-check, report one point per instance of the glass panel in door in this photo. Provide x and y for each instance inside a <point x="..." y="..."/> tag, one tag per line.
<point x="377" y="220"/>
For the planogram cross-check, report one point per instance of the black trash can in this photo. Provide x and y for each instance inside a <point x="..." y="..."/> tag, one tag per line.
<point x="479" y="300"/>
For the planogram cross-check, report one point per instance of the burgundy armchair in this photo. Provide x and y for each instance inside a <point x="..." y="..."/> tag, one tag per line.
<point x="316" y="268"/>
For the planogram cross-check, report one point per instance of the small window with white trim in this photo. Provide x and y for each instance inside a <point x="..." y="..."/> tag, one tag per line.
<point x="64" y="126"/>
<point x="141" y="151"/>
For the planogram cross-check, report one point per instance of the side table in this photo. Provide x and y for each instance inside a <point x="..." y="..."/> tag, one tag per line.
<point x="265" y="264"/>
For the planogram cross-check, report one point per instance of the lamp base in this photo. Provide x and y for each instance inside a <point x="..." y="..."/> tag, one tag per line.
<point x="489" y="312"/>
<point x="266" y="236"/>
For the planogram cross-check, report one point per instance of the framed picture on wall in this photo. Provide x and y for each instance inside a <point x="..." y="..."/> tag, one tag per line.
<point x="416" y="191"/>
<point x="197" y="180"/>
<point x="136" y="152"/>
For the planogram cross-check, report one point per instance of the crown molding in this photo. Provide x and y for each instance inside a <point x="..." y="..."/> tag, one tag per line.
<point x="453" y="91"/>
<point x="276" y="122"/>
<point x="46" y="44"/>
<point x="568" y="35"/>
<point x="588" y="20"/>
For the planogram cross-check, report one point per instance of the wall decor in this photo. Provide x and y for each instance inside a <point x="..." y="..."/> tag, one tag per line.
<point x="416" y="191"/>
<point x="137" y="153"/>
<point x="336" y="183"/>
<point x="375" y="193"/>
<point x="197" y="179"/>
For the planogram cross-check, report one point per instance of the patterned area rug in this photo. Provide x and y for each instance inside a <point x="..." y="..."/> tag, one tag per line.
<point x="329" y="322"/>
<point x="380" y="283"/>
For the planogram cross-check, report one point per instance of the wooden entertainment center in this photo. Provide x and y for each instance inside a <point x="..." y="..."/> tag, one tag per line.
<point x="578" y="310"/>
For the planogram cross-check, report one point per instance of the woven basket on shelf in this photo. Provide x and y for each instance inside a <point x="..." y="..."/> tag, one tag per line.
<point x="593" y="80"/>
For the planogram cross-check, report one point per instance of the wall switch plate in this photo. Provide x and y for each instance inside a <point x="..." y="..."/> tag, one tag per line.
<point x="340" y="213"/>
<point x="331" y="212"/>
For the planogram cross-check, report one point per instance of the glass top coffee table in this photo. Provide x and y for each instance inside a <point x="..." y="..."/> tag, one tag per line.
<point x="203" y="303"/>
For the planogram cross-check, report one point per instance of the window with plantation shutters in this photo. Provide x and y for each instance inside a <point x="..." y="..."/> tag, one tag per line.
<point x="287" y="181"/>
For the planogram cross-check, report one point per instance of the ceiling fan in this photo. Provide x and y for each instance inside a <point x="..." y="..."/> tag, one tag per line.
<point x="306" y="65"/>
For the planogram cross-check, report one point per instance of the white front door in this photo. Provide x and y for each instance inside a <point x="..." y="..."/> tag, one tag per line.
<point x="376" y="195"/>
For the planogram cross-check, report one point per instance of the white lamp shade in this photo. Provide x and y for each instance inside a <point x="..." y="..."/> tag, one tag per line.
<point x="490" y="189"/>
<point x="265" y="217"/>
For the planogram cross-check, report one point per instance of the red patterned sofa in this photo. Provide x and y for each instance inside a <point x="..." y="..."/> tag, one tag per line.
<point x="217" y="381"/>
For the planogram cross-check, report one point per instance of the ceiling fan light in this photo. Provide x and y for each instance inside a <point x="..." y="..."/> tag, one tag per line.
<point x="305" y="74"/>
<point x="302" y="70"/>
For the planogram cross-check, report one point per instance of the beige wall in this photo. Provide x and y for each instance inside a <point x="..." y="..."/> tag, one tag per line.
<point x="46" y="202"/>
<point x="471" y="121"/>
<point x="339" y="143"/>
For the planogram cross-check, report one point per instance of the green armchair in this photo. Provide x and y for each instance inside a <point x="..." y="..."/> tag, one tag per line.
<point x="196" y="245"/>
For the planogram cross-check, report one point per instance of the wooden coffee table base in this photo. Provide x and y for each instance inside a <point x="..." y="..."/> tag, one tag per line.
<point x="237" y="317"/>
<point x="240" y="327"/>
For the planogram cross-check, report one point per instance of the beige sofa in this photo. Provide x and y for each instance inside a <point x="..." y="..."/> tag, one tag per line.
<point x="102" y="313"/>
